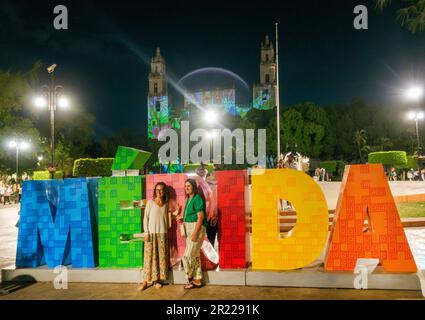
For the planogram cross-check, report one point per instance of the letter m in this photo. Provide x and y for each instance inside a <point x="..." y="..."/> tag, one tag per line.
<point x="55" y="226"/>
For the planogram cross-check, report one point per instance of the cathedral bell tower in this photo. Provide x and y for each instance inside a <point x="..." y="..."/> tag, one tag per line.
<point x="264" y="92"/>
<point x="158" y="110"/>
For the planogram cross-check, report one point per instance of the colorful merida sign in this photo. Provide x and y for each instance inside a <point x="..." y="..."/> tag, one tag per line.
<point x="60" y="223"/>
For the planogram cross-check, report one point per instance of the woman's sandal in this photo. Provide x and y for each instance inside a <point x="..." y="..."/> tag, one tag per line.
<point x="142" y="287"/>
<point x="158" y="285"/>
<point x="192" y="285"/>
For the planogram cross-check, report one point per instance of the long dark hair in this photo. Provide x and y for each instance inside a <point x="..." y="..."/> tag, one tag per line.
<point x="194" y="186"/>
<point x="165" y="196"/>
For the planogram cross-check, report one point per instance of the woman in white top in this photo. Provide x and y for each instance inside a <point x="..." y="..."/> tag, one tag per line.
<point x="155" y="225"/>
<point x="7" y="194"/>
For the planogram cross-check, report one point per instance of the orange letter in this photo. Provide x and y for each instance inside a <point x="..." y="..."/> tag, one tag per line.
<point x="367" y="224"/>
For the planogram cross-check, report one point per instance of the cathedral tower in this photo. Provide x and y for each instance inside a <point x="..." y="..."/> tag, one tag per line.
<point x="158" y="109"/>
<point x="264" y="92"/>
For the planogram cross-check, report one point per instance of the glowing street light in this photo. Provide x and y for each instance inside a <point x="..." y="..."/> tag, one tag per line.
<point x="414" y="93"/>
<point x="63" y="102"/>
<point x="211" y="116"/>
<point x="40" y="102"/>
<point x="18" y="145"/>
<point x="13" y="144"/>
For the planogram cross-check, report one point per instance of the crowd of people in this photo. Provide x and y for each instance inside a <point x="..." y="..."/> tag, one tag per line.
<point x="292" y="160"/>
<point x="10" y="193"/>
<point x="409" y="175"/>
<point x="320" y="174"/>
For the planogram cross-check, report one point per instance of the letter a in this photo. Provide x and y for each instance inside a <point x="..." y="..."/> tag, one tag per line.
<point x="367" y="223"/>
<point x="61" y="21"/>
<point x="361" y="21"/>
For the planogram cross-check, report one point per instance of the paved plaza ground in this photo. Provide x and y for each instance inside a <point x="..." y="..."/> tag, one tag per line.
<point x="46" y="290"/>
<point x="91" y="291"/>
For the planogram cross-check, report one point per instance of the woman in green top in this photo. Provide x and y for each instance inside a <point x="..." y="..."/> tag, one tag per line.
<point x="195" y="223"/>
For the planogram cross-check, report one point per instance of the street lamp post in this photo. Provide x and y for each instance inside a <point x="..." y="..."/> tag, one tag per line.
<point x="18" y="145"/>
<point x="277" y="96"/>
<point x="52" y="96"/>
<point x="414" y="94"/>
<point x="416" y="116"/>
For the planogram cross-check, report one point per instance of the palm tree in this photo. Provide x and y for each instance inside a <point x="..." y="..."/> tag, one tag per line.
<point x="360" y="138"/>
<point x="386" y="143"/>
<point x="64" y="160"/>
<point x="412" y="16"/>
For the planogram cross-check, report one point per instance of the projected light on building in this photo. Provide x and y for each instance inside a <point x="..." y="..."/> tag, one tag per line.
<point x="223" y="99"/>
<point x="158" y="117"/>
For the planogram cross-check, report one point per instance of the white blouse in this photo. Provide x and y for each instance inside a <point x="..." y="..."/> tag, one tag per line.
<point x="155" y="219"/>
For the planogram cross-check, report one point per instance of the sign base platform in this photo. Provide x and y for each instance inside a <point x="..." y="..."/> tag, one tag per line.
<point x="310" y="277"/>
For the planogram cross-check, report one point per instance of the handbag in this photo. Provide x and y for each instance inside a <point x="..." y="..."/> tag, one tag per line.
<point x="183" y="230"/>
<point x="182" y="226"/>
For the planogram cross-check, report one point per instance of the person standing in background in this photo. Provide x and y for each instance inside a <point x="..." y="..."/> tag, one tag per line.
<point x="20" y="192"/>
<point x="202" y="171"/>
<point x="7" y="194"/>
<point x="2" y="192"/>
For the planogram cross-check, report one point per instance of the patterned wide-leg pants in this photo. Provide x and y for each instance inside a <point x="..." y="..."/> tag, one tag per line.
<point x="156" y="257"/>
<point x="192" y="254"/>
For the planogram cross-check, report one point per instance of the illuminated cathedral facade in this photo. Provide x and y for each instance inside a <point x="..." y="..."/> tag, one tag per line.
<point x="159" y="116"/>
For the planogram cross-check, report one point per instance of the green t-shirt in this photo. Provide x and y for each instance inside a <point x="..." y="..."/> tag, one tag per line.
<point x="192" y="207"/>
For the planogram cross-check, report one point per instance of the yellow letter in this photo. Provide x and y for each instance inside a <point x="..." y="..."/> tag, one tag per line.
<point x="309" y="235"/>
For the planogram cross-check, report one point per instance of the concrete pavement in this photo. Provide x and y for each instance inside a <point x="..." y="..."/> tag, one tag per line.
<point x="398" y="188"/>
<point x="100" y="291"/>
<point x="8" y="234"/>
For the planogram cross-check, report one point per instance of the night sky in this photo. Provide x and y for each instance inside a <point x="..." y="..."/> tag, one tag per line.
<point x="103" y="57"/>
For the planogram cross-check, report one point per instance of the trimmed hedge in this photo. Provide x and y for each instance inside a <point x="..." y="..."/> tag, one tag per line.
<point x="41" y="175"/>
<point x="58" y="175"/>
<point x="88" y="167"/>
<point x="341" y="166"/>
<point x="412" y="162"/>
<point x="45" y="175"/>
<point x="389" y="158"/>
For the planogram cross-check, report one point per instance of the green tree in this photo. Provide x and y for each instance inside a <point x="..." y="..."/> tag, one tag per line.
<point x="15" y="87"/>
<point x="63" y="159"/>
<point x="75" y="130"/>
<point x="360" y="138"/>
<point x="385" y="144"/>
<point x="304" y="128"/>
<point x="412" y="16"/>
<point x="124" y="137"/>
